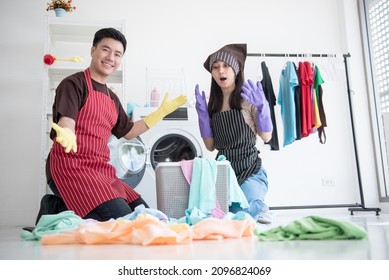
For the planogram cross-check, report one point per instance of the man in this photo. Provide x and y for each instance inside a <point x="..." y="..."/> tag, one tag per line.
<point x="85" y="113"/>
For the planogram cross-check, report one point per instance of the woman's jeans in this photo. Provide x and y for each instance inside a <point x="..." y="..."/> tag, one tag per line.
<point x="254" y="188"/>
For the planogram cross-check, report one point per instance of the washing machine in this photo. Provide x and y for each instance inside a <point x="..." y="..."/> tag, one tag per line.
<point x="175" y="138"/>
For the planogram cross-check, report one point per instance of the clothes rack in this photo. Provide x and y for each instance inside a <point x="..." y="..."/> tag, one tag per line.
<point x="291" y="55"/>
<point x="351" y="207"/>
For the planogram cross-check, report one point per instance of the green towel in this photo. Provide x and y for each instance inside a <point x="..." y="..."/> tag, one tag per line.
<point x="314" y="228"/>
<point x="202" y="191"/>
<point x="52" y="224"/>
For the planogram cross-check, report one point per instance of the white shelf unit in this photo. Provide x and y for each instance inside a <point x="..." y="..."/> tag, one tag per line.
<point x="64" y="39"/>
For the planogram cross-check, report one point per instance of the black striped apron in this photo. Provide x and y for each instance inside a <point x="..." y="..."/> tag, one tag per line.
<point x="235" y="140"/>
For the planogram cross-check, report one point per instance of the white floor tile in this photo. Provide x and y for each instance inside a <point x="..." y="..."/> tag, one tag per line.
<point x="375" y="247"/>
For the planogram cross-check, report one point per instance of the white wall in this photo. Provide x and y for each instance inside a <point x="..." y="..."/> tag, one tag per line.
<point x="171" y="34"/>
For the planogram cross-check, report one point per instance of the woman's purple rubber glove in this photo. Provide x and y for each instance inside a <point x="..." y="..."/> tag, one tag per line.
<point x="202" y="112"/>
<point x="254" y="95"/>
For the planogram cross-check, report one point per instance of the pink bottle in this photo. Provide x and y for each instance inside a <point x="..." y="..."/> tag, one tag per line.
<point x="154" y="98"/>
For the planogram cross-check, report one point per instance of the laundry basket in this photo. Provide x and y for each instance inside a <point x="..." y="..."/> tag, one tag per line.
<point x="173" y="189"/>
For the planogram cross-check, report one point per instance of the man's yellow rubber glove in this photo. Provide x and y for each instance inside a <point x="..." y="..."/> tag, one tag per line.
<point x="66" y="138"/>
<point x="166" y="108"/>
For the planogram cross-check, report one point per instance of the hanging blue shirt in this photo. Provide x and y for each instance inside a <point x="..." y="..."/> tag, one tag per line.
<point x="288" y="82"/>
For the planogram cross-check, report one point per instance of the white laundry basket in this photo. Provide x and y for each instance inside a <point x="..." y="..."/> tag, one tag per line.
<point x="173" y="189"/>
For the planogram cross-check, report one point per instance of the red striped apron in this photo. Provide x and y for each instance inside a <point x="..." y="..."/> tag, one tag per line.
<point x="85" y="179"/>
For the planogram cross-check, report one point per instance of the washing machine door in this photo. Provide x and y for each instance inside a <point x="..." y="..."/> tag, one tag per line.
<point x="174" y="147"/>
<point x="129" y="159"/>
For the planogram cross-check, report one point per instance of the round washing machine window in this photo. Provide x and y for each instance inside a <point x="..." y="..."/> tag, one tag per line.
<point x="172" y="148"/>
<point x="129" y="159"/>
<point x="132" y="155"/>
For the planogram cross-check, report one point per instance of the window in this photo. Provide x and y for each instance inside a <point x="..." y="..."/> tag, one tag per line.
<point x="375" y="28"/>
<point x="378" y="15"/>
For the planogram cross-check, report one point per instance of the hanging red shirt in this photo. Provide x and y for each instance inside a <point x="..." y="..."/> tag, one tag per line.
<point x="305" y="73"/>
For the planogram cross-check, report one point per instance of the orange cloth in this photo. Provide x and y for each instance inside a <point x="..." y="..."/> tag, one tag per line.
<point x="150" y="231"/>
<point x="212" y="228"/>
<point x="144" y="231"/>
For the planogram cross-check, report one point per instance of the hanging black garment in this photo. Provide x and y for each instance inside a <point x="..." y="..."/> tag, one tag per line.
<point x="267" y="86"/>
<point x="322" y="134"/>
<point x="235" y="140"/>
<point x="297" y="93"/>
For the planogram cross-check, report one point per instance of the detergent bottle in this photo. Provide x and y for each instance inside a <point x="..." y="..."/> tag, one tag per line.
<point x="154" y="98"/>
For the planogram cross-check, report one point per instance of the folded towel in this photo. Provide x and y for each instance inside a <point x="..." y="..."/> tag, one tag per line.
<point x="313" y="227"/>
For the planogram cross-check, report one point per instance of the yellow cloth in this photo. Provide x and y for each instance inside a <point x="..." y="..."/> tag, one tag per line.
<point x="166" y="108"/>
<point x="316" y="110"/>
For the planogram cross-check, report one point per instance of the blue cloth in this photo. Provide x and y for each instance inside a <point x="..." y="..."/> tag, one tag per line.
<point x="53" y="224"/>
<point x="194" y="215"/>
<point x="288" y="82"/>
<point x="202" y="193"/>
<point x="130" y="108"/>
<point x="141" y="209"/>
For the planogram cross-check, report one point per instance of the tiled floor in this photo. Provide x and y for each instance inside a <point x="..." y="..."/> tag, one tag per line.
<point x="375" y="247"/>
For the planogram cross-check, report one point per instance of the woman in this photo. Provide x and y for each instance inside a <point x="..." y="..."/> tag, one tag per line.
<point x="237" y="112"/>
